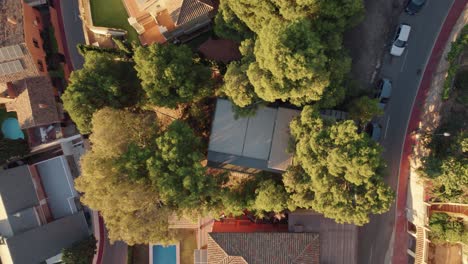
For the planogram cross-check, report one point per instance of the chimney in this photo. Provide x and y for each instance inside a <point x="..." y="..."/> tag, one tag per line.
<point x="43" y="106"/>
<point x="12" y="20"/>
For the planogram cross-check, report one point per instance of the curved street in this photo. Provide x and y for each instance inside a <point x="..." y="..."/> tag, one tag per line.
<point x="405" y="72"/>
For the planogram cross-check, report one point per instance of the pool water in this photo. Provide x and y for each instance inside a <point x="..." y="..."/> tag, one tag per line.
<point x="164" y="255"/>
<point x="11" y="129"/>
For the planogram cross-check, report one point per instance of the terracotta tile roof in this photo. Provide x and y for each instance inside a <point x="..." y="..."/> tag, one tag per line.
<point x="11" y="22"/>
<point x="35" y="103"/>
<point x="193" y="9"/>
<point x="260" y="248"/>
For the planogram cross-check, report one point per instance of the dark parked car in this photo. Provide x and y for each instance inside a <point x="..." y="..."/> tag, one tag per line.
<point x="384" y="90"/>
<point x="374" y="130"/>
<point x="414" y="6"/>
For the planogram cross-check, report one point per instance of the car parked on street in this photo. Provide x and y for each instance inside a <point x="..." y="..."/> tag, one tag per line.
<point x="374" y="130"/>
<point x="414" y="6"/>
<point x="400" y="40"/>
<point x="384" y="90"/>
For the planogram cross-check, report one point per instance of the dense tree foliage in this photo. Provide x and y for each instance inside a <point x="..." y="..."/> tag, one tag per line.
<point x="447" y="167"/>
<point x="137" y="176"/>
<point x="339" y="171"/>
<point x="270" y="197"/>
<point x="303" y="61"/>
<point x="228" y="25"/>
<point x="177" y="172"/>
<point x="132" y="209"/>
<point x="12" y="148"/>
<point x="171" y="74"/>
<point x="363" y="109"/>
<point x="81" y="252"/>
<point x="103" y="81"/>
<point x="445" y="228"/>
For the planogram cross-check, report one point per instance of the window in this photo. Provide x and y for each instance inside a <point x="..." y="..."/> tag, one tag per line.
<point x="36" y="44"/>
<point x="40" y="65"/>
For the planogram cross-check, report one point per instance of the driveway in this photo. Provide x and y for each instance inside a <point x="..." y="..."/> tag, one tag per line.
<point x="73" y="30"/>
<point x="114" y="253"/>
<point x="375" y="238"/>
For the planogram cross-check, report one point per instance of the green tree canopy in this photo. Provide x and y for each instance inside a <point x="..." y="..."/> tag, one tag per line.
<point x="270" y="197"/>
<point x="131" y="207"/>
<point x="363" y="109"/>
<point x="445" y="228"/>
<point x="339" y="171"/>
<point x="177" y="172"/>
<point x="171" y="74"/>
<point x="227" y="25"/>
<point x="81" y="252"/>
<point x="114" y="130"/>
<point x="290" y="64"/>
<point x="103" y="81"/>
<point x="132" y="211"/>
<point x="304" y="60"/>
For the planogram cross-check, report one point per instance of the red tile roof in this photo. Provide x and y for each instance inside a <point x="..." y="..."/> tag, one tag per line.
<point x="261" y="248"/>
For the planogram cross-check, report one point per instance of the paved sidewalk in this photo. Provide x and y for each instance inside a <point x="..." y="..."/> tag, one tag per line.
<point x="401" y="241"/>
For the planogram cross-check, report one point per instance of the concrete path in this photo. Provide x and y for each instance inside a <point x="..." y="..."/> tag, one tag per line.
<point x="405" y="72"/>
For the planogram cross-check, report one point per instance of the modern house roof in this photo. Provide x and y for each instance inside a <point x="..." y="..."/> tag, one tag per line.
<point x="17" y="200"/>
<point x="261" y="248"/>
<point x="17" y="190"/>
<point x="35" y="102"/>
<point x="58" y="184"/>
<point x="258" y="142"/>
<point x="39" y="244"/>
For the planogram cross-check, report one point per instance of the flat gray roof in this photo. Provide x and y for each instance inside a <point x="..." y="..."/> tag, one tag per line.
<point x="39" y="244"/>
<point x="58" y="186"/>
<point x="227" y="133"/>
<point x="280" y="159"/>
<point x="257" y="142"/>
<point x="17" y="190"/>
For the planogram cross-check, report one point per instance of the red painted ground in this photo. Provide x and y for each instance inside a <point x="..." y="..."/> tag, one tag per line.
<point x="401" y="242"/>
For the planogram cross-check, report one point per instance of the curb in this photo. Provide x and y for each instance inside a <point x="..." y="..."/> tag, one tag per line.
<point x="401" y="242"/>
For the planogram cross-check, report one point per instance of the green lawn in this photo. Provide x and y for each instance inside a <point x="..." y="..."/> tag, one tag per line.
<point x="112" y="13"/>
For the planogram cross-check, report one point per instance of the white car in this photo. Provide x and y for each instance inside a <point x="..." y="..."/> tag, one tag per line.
<point x="401" y="37"/>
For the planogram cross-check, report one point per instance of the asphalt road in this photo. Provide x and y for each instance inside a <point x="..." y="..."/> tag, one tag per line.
<point x="114" y="253"/>
<point x="73" y="30"/>
<point x="405" y="72"/>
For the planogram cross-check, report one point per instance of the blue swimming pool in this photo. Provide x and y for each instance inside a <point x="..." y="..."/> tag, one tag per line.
<point x="11" y="129"/>
<point x="164" y="255"/>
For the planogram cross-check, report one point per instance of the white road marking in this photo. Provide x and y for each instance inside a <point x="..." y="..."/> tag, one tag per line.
<point x="370" y="256"/>
<point x="404" y="61"/>
<point x="386" y="127"/>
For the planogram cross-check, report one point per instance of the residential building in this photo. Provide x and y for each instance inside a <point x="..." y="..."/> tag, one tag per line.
<point x="305" y="237"/>
<point x="253" y="143"/>
<point x="37" y="221"/>
<point x="256" y="143"/>
<point x="163" y="20"/>
<point x="260" y="248"/>
<point x="21" y="45"/>
<point x="25" y="85"/>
